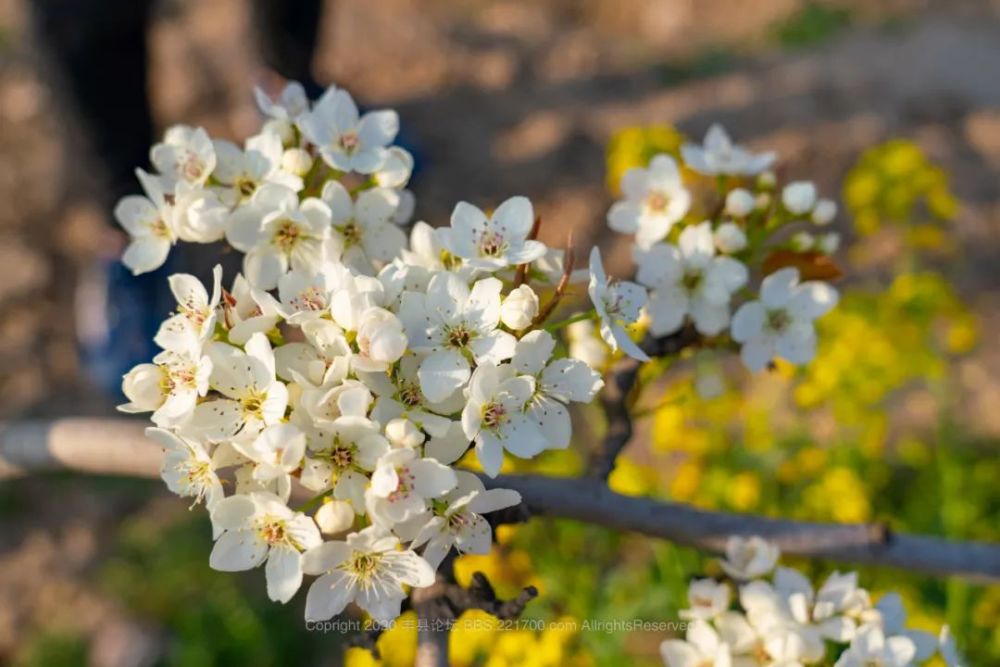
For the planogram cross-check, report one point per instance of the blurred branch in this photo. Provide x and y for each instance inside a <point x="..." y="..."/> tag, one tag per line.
<point x="118" y="447"/>
<point x="617" y="398"/>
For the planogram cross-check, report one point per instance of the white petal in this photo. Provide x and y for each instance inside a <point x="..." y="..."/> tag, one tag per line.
<point x="777" y="289"/>
<point x="284" y="573"/>
<point x="238" y="550"/>
<point x="442" y="373"/>
<point x="328" y="596"/>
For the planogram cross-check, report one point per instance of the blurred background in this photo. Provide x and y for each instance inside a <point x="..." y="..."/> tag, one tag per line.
<point x="892" y="106"/>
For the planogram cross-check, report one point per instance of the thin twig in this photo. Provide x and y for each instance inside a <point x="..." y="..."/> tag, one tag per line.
<point x="557" y="296"/>
<point x="522" y="269"/>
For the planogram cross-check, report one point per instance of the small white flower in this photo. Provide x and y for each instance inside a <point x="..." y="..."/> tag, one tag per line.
<point x="689" y="279"/>
<point x="243" y="315"/>
<point x="495" y="419"/>
<point x="781" y="323"/>
<point x="241" y="172"/>
<point x="739" y="202"/>
<point x="277" y="452"/>
<point x="368" y="569"/>
<point x="491" y="243"/>
<point x="149" y="223"/>
<point x="346" y="140"/>
<point x="730" y="238"/>
<point x="256" y="527"/>
<point x="400" y="395"/>
<point x="279" y="233"/>
<point x="195" y="320"/>
<point x="703" y="648"/>
<point x="450" y="322"/>
<point x="799" y="197"/>
<point x="198" y="215"/>
<point x="824" y="212"/>
<point x="618" y="305"/>
<point x="395" y="172"/>
<point x="363" y="231"/>
<point x="519" y="308"/>
<point x="872" y="647"/>
<point x="708" y="598"/>
<point x="169" y="387"/>
<point x="185" y="154"/>
<point x="187" y="468"/>
<point x="252" y="397"/>
<point x="891" y="618"/>
<point x="719" y="155"/>
<point x="381" y="341"/>
<point x="655" y="199"/>
<point x="556" y="384"/>
<point x="403" y="484"/>
<point x="457" y="519"/>
<point x="291" y="103"/>
<point x="749" y="557"/>
<point x="341" y="456"/>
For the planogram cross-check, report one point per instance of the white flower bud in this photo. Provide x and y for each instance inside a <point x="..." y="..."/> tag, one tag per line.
<point x="142" y="386"/>
<point x="519" y="308"/>
<point x="828" y="244"/>
<point x="825" y="211"/>
<point x="381" y="339"/>
<point x="799" y="197"/>
<point x="296" y="161"/>
<point x="803" y="241"/>
<point x="767" y="179"/>
<point x="739" y="202"/>
<point x="334" y="517"/>
<point x="729" y="238"/>
<point x="763" y="200"/>
<point x="402" y="432"/>
<point x="281" y="127"/>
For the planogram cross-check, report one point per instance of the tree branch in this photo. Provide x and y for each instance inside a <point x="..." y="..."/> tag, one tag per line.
<point x="118" y="447"/>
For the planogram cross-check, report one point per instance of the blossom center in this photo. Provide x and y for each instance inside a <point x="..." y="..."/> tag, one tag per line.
<point x="342" y="457"/>
<point x="352" y="233"/>
<point x="409" y="395"/>
<point x="192" y="167"/>
<point x="349" y="142"/>
<point x="246" y="187"/>
<point x="364" y="565"/>
<point x="253" y="404"/>
<point x="309" y="299"/>
<point x="287" y="235"/>
<point x="273" y="531"/>
<point x="492" y="244"/>
<point x="657" y="201"/>
<point x="692" y="280"/>
<point x="403" y="486"/>
<point x="458" y="336"/>
<point x="494" y="415"/>
<point x="778" y="320"/>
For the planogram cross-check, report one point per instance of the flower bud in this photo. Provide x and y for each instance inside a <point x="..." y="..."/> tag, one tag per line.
<point x="739" y="202"/>
<point x="402" y="432"/>
<point x="825" y="211"/>
<point x="281" y="127"/>
<point x="763" y="200"/>
<point x="828" y="244"/>
<point x="519" y="308"/>
<point x="141" y="387"/>
<point x="799" y="197"/>
<point x="296" y="161"/>
<point x="729" y="238"/>
<point x="767" y="180"/>
<point x="334" y="516"/>
<point x="803" y="241"/>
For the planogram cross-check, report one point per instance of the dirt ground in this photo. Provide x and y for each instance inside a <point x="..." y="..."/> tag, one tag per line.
<point x="502" y="97"/>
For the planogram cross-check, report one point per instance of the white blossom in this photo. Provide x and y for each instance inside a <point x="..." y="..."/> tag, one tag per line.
<point x="730" y="238"/>
<point x="689" y="280"/>
<point x="707" y="599"/>
<point x="402" y="485"/>
<point x="739" y="202"/>
<point x="195" y="320"/>
<point x="258" y="527"/>
<point x="494" y="242"/>
<point x="824" y="212"/>
<point x="749" y="557"/>
<point x="347" y="140"/>
<point x="149" y="223"/>
<point x="169" y="387"/>
<point x="872" y="647"/>
<point x="187" y="468"/>
<point x="363" y="231"/>
<point x="781" y="323"/>
<point x="241" y="172"/>
<point x="290" y="104"/>
<point x="720" y="156"/>
<point x="494" y="416"/>
<point x="655" y="199"/>
<point x="703" y="648"/>
<point x="450" y="322"/>
<point x="799" y="197"/>
<point x="519" y="308"/>
<point x="618" y="305"/>
<point x="185" y="154"/>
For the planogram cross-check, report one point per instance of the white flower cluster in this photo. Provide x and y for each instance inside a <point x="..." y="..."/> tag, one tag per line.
<point x="779" y="619"/>
<point x="695" y="264"/>
<point x="347" y="359"/>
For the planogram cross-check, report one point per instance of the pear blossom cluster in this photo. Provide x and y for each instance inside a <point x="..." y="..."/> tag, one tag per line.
<point x="763" y="615"/>
<point x="328" y="404"/>
<point x="700" y="259"/>
<point x="320" y="403"/>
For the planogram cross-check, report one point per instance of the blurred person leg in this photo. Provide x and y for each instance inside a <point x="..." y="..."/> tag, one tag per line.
<point x="95" y="57"/>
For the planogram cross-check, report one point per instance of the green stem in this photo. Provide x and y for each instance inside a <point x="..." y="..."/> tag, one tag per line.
<point x="579" y="317"/>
